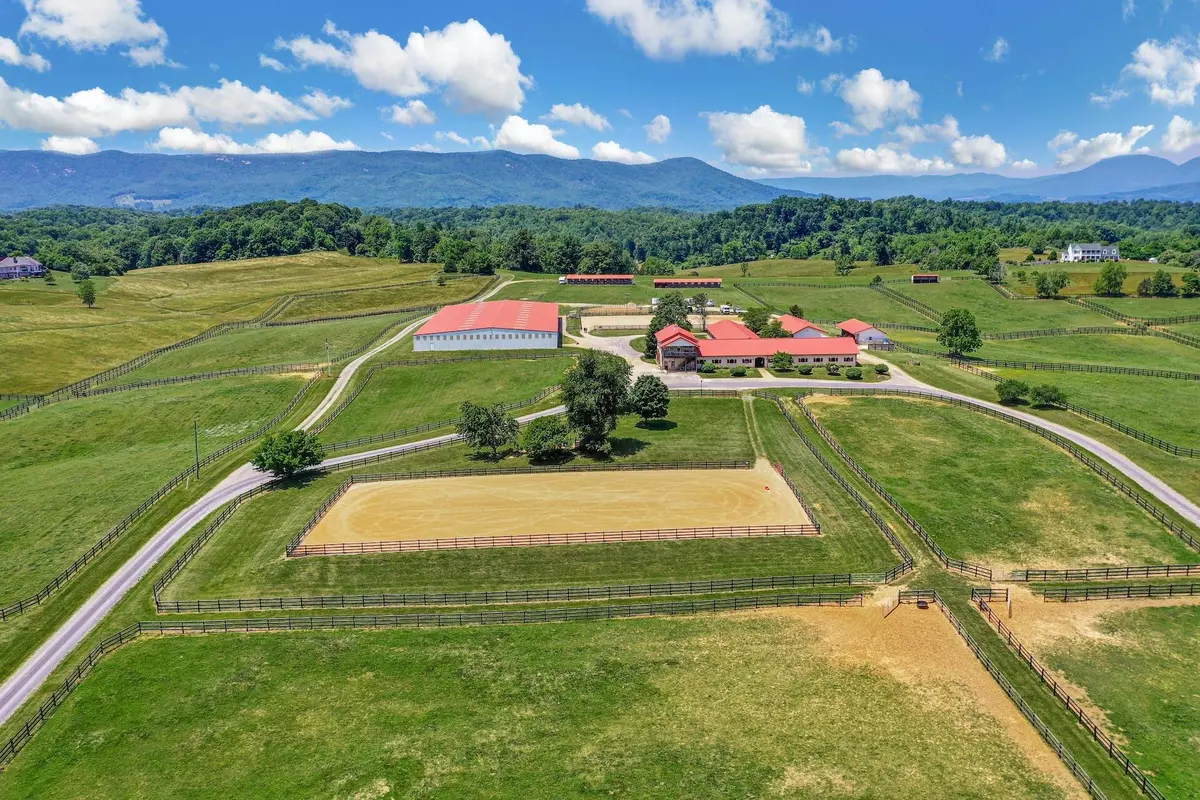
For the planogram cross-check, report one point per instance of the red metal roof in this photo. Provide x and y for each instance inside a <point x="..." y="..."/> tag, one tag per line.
<point x="730" y="329"/>
<point x="595" y="277"/>
<point x="511" y="315"/>
<point x="796" y="324"/>
<point x="671" y="332"/>
<point x="748" y="348"/>
<point x="855" y="326"/>
<point x="925" y="274"/>
<point x="670" y="281"/>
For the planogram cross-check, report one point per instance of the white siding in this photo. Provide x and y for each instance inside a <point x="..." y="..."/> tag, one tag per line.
<point x="489" y="339"/>
<point x="808" y="333"/>
<point x="871" y="335"/>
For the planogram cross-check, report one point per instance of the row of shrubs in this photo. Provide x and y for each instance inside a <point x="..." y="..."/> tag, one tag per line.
<point x="833" y="370"/>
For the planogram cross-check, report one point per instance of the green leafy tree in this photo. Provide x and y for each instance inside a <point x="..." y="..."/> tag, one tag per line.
<point x="87" y="292"/>
<point x="745" y="269"/>
<point x="1047" y="394"/>
<point x="649" y="398"/>
<point x="756" y="318"/>
<point x="487" y="427"/>
<point x="520" y="252"/>
<point x="1011" y="390"/>
<point x="1051" y="282"/>
<point x="546" y="438"/>
<point x="653" y="265"/>
<point x="854" y="373"/>
<point x="700" y="301"/>
<point x="1161" y="284"/>
<point x="1145" y="287"/>
<point x="707" y="367"/>
<point x="843" y="264"/>
<point x="773" y="330"/>
<point x="595" y="391"/>
<point x="781" y="361"/>
<point x="1111" y="280"/>
<point x="882" y="369"/>
<point x="671" y="310"/>
<point x="1191" y="284"/>
<point x="288" y="452"/>
<point x="958" y="332"/>
<point x="796" y="311"/>
<point x="877" y="280"/>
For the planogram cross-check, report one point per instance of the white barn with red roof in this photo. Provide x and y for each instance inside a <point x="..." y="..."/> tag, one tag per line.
<point x="495" y="325"/>
<point x="861" y="332"/>
<point x="800" y="328"/>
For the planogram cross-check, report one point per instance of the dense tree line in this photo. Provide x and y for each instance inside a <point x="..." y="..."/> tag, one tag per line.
<point x="935" y="234"/>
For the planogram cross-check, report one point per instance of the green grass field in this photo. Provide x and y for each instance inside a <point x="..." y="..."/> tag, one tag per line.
<point x="401" y="397"/>
<point x="1140" y="668"/>
<point x="546" y="289"/>
<point x="990" y="491"/>
<point x="755" y="705"/>
<point x="361" y="300"/>
<point x="1187" y="328"/>
<point x="1148" y="352"/>
<point x="994" y="313"/>
<point x="288" y="344"/>
<point x="1083" y="276"/>
<point x="149" y="308"/>
<point x="1151" y="307"/>
<point x="810" y="269"/>
<point x="836" y="305"/>
<point x="72" y="470"/>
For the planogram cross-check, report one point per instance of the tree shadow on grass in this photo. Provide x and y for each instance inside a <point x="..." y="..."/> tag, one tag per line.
<point x="657" y="425"/>
<point x="625" y="446"/>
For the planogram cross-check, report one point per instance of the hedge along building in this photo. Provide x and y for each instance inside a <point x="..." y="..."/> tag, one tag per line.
<point x="495" y="325"/>
<point x="679" y="350"/>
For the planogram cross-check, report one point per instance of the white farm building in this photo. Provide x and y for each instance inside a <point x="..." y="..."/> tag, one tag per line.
<point x="496" y="325"/>
<point x="1090" y="252"/>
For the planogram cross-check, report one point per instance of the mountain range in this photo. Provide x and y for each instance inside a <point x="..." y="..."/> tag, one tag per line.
<point x="401" y="178"/>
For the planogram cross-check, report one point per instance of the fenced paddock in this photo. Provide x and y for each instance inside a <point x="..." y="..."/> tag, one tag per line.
<point x="372" y="514"/>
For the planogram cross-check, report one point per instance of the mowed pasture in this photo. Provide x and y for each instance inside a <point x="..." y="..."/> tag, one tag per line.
<point x="1083" y="276"/>
<point x="839" y="304"/>
<point x="73" y="470"/>
<point x="1122" y="350"/>
<point x="547" y="289"/>
<point x="990" y="492"/>
<point x="995" y="313"/>
<point x="150" y="308"/>
<point x="812" y="269"/>
<point x="1134" y="661"/>
<point x="1152" y="307"/>
<point x="822" y="702"/>
<point x="407" y="396"/>
<point x="356" y="301"/>
<point x="245" y="558"/>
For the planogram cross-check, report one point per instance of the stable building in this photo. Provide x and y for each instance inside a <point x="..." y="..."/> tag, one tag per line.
<point x="799" y="328"/>
<point x="495" y="325"/>
<point x="861" y="332"/>
<point x="729" y="329"/>
<point x="926" y="277"/>
<point x="687" y="283"/>
<point x="679" y="350"/>
<point x="595" y="280"/>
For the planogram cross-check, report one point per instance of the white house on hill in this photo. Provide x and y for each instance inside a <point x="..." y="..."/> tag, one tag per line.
<point x="1090" y="252"/>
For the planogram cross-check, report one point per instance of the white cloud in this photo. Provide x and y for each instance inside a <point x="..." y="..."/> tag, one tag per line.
<point x="415" y="113"/>
<point x="611" y="151"/>
<point x="944" y="131"/>
<point x="764" y="140"/>
<point x="672" y="29"/>
<point x="90" y="112"/>
<point x="1109" y="96"/>
<point x="234" y="103"/>
<point x="875" y="99"/>
<point x="98" y="25"/>
<point x="272" y="63"/>
<point x="998" y="51"/>
<point x="832" y="81"/>
<point x="190" y="140"/>
<point x="1070" y="150"/>
<point x="424" y="147"/>
<point x="451" y="136"/>
<point x="74" y="145"/>
<point x="888" y="160"/>
<point x="325" y="105"/>
<point x="659" y="129"/>
<point x="982" y="151"/>
<point x="386" y="135"/>
<point x="577" y="114"/>
<point x="1181" y="135"/>
<point x="958" y="88"/>
<point x="1024" y="164"/>
<point x="476" y="69"/>
<point x="819" y="39"/>
<point x="841" y="129"/>
<point x="625" y="112"/>
<point x="805" y="87"/>
<point x="1171" y="70"/>
<point x="521" y="136"/>
<point x="10" y="53"/>
<point x="1128" y="7"/>
<point x="481" y="142"/>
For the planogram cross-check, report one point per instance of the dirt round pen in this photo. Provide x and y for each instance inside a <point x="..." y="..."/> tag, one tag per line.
<point x="558" y="508"/>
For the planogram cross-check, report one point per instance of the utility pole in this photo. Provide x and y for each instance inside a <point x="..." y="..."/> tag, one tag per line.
<point x="196" y="439"/>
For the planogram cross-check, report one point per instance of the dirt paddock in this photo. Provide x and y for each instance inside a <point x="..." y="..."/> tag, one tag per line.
<point x="564" y="502"/>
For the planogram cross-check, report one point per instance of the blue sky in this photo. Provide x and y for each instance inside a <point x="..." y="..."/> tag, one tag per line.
<point x="758" y="87"/>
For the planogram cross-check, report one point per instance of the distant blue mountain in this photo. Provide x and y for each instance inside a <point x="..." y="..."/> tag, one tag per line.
<point x="1120" y="178"/>
<point x="392" y="179"/>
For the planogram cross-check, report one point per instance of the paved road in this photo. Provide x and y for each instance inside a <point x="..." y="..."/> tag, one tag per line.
<point x="26" y="680"/>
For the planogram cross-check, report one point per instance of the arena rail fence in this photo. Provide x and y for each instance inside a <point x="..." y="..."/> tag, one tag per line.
<point x="1110" y="747"/>
<point x="1064" y="754"/>
<point x="756" y="298"/>
<point x="291" y="299"/>
<point x="924" y="309"/>
<point x="906" y="564"/>
<point x="1108" y="311"/>
<point x="1150" y="591"/>
<point x="397" y="621"/>
<point x="1153" y="441"/>
<point x="23" y="605"/>
<point x="947" y="561"/>
<point x="1078" y="453"/>
<point x="1104" y="573"/>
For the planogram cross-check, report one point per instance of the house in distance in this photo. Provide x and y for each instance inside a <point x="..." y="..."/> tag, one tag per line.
<point x="14" y="267"/>
<point x="495" y="325"/>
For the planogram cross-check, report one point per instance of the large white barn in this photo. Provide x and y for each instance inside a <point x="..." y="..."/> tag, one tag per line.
<point x="496" y="325"/>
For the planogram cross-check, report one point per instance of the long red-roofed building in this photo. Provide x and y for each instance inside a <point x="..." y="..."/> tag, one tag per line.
<point x="494" y="325"/>
<point x="679" y="350"/>
<point x="729" y="329"/>
<point x="687" y="283"/>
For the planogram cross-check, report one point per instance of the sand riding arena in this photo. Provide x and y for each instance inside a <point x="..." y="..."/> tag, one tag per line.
<point x="498" y="508"/>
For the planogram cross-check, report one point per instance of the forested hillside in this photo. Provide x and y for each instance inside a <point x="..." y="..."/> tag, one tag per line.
<point x="941" y="235"/>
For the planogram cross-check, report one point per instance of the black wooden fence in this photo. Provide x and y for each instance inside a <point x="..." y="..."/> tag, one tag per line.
<point x="1104" y="573"/>
<point x="1151" y="591"/>
<point x="924" y="309"/>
